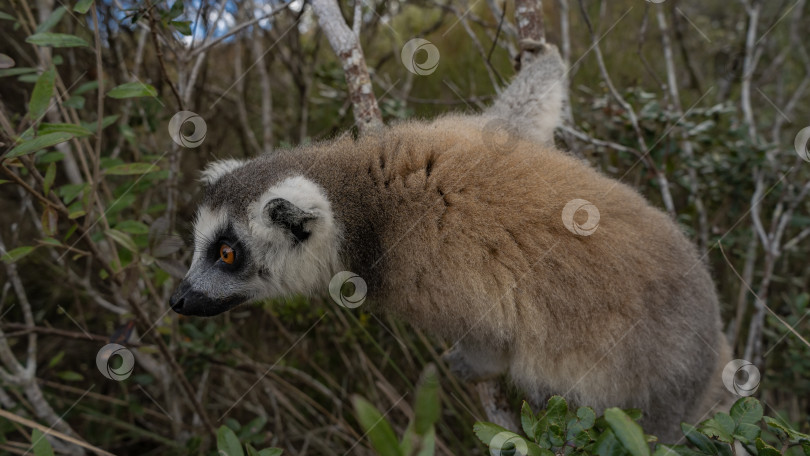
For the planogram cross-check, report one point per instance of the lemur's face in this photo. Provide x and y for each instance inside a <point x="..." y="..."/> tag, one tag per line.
<point x="281" y="243"/>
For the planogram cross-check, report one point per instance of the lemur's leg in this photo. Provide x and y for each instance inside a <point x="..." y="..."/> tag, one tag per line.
<point x="482" y="364"/>
<point x="475" y="362"/>
<point x="496" y="404"/>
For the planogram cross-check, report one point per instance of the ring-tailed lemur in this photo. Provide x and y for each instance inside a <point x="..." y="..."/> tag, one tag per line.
<point x="459" y="226"/>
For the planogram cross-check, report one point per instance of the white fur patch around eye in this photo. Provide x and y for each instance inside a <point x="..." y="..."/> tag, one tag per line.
<point x="215" y="170"/>
<point x="208" y="224"/>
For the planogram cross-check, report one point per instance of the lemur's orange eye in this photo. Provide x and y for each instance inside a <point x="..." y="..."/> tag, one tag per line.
<point x="226" y="254"/>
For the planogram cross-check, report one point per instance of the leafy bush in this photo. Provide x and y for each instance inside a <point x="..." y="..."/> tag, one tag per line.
<point x="559" y="430"/>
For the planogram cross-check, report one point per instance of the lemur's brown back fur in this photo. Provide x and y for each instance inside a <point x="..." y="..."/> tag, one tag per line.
<point x="467" y="242"/>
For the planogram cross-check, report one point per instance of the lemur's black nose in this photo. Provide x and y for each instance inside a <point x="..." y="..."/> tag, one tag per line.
<point x="188" y="301"/>
<point x="178" y="299"/>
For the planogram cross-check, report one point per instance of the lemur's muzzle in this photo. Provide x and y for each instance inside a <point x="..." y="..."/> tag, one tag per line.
<point x="187" y="301"/>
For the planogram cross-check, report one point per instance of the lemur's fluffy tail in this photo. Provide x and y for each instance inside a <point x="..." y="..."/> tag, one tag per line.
<point x="532" y="103"/>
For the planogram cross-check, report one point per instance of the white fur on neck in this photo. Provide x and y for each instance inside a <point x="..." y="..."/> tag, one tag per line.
<point x="308" y="266"/>
<point x="215" y="170"/>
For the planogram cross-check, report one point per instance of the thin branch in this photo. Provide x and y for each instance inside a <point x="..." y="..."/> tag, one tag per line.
<point x="347" y="47"/>
<point x="159" y="53"/>
<point x="237" y="29"/>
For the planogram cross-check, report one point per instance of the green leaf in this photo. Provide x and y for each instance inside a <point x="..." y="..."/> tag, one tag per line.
<point x="76" y="130"/>
<point x="132" y="227"/>
<point x="627" y="431"/>
<point x="766" y="450"/>
<point x="581" y="439"/>
<point x="41" y="96"/>
<point x="377" y="429"/>
<point x="105" y="122"/>
<point x="39" y="143"/>
<point x="131" y="168"/>
<point x="7" y="17"/>
<point x="792" y="434"/>
<point x="28" y="78"/>
<point x="527" y="419"/>
<point x="52" y="20"/>
<point x="176" y="9"/>
<point x="75" y="102"/>
<point x="50" y="175"/>
<point x="56" y="40"/>
<point x="426" y="405"/>
<point x="608" y="445"/>
<point x="74" y="214"/>
<point x="16" y="254"/>
<point x="633" y="413"/>
<point x="556" y="435"/>
<point x="50" y="157"/>
<point x="418" y="445"/>
<point x="132" y="89"/>
<point x="184" y="27"/>
<point x="584" y="420"/>
<point x="487" y="431"/>
<point x="51" y="241"/>
<point x="82" y="6"/>
<point x="747" y="410"/>
<point x="556" y="410"/>
<point x="56" y="359"/>
<point x="747" y="433"/>
<point x="720" y="427"/>
<point x="228" y="443"/>
<point x="121" y="203"/>
<point x="39" y="444"/>
<point x="703" y="443"/>
<point x="86" y="87"/>
<point x="69" y="192"/>
<point x="123" y="239"/>
<point x="271" y="452"/>
<point x="15" y="71"/>
<point x="70" y="376"/>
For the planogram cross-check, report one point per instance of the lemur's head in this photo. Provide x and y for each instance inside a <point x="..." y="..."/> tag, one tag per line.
<point x="252" y="243"/>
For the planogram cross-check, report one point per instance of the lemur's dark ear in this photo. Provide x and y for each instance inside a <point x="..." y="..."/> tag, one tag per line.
<point x="287" y="215"/>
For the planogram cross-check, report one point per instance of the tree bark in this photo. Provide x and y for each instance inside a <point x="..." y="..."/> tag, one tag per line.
<point x="346" y="45"/>
<point x="531" y="29"/>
